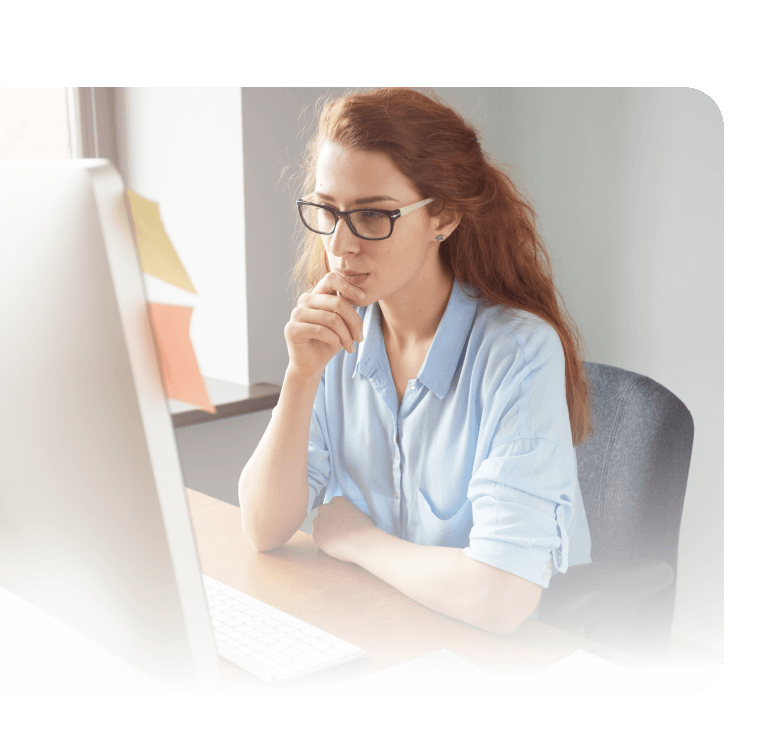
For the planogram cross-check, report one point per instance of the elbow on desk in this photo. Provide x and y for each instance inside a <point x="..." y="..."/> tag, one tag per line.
<point x="262" y="535"/>
<point x="267" y="525"/>
<point x="508" y="623"/>
<point x="254" y="530"/>
<point x="259" y="543"/>
<point x="503" y="612"/>
<point x="259" y="538"/>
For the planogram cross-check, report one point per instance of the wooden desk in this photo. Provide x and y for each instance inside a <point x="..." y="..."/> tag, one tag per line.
<point x="347" y="601"/>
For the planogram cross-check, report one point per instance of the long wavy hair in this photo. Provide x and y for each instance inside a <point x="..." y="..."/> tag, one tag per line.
<point x="496" y="248"/>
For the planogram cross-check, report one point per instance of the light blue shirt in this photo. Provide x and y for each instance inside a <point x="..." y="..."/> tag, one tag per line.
<point x="479" y="455"/>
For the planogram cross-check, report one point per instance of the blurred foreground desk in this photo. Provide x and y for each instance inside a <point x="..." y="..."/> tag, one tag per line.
<point x="351" y="603"/>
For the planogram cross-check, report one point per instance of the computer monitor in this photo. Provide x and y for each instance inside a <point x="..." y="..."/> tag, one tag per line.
<point x="94" y="522"/>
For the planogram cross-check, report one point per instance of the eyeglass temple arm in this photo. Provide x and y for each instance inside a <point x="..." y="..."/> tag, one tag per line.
<point x="402" y="211"/>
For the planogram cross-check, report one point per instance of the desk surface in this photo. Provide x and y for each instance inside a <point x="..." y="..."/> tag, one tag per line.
<point x="349" y="602"/>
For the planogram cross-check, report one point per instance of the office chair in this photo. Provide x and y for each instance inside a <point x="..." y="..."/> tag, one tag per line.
<point x="633" y="477"/>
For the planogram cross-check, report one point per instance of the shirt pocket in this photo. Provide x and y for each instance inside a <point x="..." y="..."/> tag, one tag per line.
<point x="442" y="528"/>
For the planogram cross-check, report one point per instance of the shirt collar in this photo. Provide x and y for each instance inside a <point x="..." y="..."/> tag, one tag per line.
<point x="445" y="352"/>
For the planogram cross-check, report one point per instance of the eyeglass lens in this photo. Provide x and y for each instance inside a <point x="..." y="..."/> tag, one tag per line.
<point x="368" y="224"/>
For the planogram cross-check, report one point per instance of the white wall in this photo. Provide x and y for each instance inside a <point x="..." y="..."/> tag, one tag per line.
<point x="628" y="188"/>
<point x="183" y="149"/>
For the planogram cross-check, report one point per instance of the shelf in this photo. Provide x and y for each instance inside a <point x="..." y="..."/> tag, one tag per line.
<point x="230" y="400"/>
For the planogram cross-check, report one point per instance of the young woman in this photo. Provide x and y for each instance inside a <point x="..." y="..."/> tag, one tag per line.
<point x="435" y="387"/>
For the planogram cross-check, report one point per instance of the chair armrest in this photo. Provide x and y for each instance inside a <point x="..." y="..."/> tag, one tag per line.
<point x="586" y="592"/>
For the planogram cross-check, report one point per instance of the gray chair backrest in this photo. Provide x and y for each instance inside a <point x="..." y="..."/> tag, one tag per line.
<point x="633" y="471"/>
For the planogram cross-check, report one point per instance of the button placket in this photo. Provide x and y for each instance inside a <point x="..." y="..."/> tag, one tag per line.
<point x="397" y="480"/>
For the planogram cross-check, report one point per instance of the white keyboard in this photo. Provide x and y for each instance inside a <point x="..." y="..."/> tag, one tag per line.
<point x="269" y="643"/>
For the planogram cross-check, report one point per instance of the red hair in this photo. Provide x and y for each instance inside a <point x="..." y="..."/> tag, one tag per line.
<point x="495" y="249"/>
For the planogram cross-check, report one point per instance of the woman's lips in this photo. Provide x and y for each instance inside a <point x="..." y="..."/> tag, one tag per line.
<point x="355" y="278"/>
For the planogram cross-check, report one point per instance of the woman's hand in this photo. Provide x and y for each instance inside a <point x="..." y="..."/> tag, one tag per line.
<point x="340" y="529"/>
<point x="323" y="322"/>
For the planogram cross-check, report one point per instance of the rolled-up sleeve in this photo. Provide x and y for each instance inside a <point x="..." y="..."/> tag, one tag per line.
<point x="522" y="502"/>
<point x="524" y="491"/>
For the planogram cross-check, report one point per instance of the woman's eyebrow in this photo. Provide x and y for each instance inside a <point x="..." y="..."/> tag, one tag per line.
<point x="360" y="201"/>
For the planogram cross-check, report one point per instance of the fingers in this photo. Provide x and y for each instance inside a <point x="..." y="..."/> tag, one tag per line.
<point x="324" y="325"/>
<point x="334" y="283"/>
<point x="339" y="306"/>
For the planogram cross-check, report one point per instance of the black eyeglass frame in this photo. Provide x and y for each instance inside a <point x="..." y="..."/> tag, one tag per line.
<point x="392" y="215"/>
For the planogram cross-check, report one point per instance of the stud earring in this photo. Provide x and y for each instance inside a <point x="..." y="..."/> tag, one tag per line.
<point x="439" y="237"/>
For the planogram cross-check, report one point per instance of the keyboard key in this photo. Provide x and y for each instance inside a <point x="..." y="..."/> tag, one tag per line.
<point x="296" y="668"/>
<point x="307" y="661"/>
<point x="317" y="655"/>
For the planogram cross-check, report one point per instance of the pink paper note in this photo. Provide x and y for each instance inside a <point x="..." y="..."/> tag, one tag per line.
<point x="182" y="379"/>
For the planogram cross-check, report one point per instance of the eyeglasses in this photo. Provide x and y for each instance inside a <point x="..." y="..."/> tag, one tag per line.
<point x="366" y="223"/>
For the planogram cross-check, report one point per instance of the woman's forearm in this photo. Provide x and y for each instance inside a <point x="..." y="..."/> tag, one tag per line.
<point x="447" y="581"/>
<point x="273" y="489"/>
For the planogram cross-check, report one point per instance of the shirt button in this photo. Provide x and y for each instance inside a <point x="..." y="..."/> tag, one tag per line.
<point x="545" y="576"/>
<point x="549" y="563"/>
<point x="560" y="516"/>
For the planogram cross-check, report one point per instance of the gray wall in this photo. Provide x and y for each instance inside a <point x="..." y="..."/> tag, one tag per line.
<point x="275" y="124"/>
<point x="628" y="187"/>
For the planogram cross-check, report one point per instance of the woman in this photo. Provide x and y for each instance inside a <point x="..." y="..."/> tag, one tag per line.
<point x="435" y="388"/>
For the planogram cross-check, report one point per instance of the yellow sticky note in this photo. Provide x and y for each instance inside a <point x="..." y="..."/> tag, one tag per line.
<point x="157" y="255"/>
<point x="183" y="380"/>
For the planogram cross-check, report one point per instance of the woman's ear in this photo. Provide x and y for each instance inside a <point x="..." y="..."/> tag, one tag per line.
<point x="451" y="222"/>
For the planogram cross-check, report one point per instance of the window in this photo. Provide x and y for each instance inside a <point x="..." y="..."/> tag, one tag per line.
<point x="34" y="123"/>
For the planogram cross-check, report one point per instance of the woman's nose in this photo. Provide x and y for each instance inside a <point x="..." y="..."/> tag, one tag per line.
<point x="343" y="238"/>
